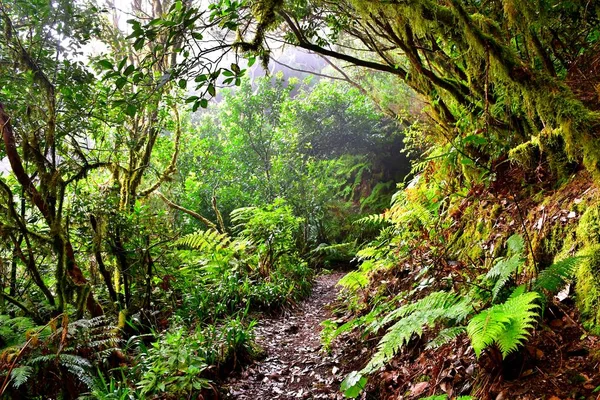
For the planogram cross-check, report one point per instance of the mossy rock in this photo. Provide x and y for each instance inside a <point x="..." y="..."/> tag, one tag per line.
<point x="587" y="288"/>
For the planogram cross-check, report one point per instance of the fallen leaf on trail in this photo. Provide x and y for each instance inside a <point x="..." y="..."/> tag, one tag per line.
<point x="419" y="388"/>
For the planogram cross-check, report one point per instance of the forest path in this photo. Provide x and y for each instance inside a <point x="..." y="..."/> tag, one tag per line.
<point x="295" y="367"/>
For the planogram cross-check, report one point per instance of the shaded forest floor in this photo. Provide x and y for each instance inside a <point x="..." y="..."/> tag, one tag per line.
<point x="294" y="366"/>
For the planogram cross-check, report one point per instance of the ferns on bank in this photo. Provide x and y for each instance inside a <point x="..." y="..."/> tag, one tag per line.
<point x="412" y="318"/>
<point x="556" y="276"/>
<point x="507" y="325"/>
<point x="72" y="348"/>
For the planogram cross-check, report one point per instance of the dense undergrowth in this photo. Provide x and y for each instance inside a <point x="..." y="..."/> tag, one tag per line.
<point x="142" y="239"/>
<point x="486" y="268"/>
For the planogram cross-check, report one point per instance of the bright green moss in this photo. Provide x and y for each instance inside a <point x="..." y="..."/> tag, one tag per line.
<point x="526" y="155"/>
<point x="588" y="288"/>
<point x="588" y="230"/>
<point x="469" y="240"/>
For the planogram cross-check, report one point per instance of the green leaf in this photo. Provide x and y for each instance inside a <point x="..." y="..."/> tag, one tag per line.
<point x="203" y="103"/>
<point x="467" y="161"/>
<point x="251" y="61"/>
<point x="476" y="139"/>
<point x="131" y="110"/>
<point x="182" y="83"/>
<point x="354" y="383"/>
<point x="211" y="90"/>
<point x="138" y="44"/>
<point x="129" y="70"/>
<point x="105" y="64"/>
<point x="121" y="82"/>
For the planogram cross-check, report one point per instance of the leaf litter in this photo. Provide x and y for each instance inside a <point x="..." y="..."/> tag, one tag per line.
<point x="295" y="365"/>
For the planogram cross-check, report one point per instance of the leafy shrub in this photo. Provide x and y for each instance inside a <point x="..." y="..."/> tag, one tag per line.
<point x="179" y="362"/>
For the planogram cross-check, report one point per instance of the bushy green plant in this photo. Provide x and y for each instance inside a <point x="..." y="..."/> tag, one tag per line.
<point x="179" y="363"/>
<point x="258" y="269"/>
<point x="172" y="366"/>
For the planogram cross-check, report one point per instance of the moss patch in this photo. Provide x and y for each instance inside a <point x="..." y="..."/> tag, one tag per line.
<point x="588" y="288"/>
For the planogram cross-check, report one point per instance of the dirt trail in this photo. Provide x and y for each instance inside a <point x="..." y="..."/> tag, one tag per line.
<point x="294" y="367"/>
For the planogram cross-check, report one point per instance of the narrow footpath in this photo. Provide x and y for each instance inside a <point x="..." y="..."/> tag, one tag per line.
<point x="295" y="367"/>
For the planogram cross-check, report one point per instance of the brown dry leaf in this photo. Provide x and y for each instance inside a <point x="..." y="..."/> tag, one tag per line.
<point x="554" y="398"/>
<point x="419" y="388"/>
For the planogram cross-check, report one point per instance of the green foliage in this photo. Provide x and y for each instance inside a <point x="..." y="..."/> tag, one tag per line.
<point x="587" y="287"/>
<point x="20" y="375"/>
<point x="178" y="361"/>
<point x="507" y="325"/>
<point x="68" y="352"/>
<point x="412" y="318"/>
<point x="507" y="266"/>
<point x="446" y="336"/>
<point x="353" y="384"/>
<point x="13" y="330"/>
<point x="172" y="365"/>
<point x="557" y="275"/>
<point x="205" y="241"/>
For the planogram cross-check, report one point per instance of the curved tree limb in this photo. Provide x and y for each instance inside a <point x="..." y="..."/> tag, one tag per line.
<point x="189" y="212"/>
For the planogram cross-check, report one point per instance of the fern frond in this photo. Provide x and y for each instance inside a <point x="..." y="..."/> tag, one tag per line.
<point x="396" y="337"/>
<point x="412" y="318"/>
<point x="515" y="244"/>
<point x="20" y="375"/>
<point x="502" y="270"/>
<point x="506" y="325"/>
<point x="354" y="280"/>
<point x="556" y="276"/>
<point x="208" y="240"/>
<point x="453" y="305"/>
<point x="241" y="215"/>
<point x="372" y="220"/>
<point x="445" y="336"/>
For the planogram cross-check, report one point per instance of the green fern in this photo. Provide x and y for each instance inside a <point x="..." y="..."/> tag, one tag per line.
<point x="507" y="325"/>
<point x="412" y="318"/>
<point x="209" y="240"/>
<point x="372" y="220"/>
<point x="506" y="266"/>
<point x="445" y="336"/>
<point x="243" y="214"/>
<point x="556" y="276"/>
<point x="20" y="375"/>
